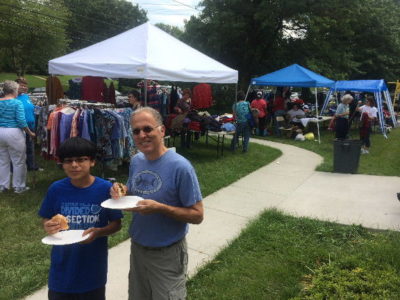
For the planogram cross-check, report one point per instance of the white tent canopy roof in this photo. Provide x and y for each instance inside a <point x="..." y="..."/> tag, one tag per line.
<point x="143" y="52"/>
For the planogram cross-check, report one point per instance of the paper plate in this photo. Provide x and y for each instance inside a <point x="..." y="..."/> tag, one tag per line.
<point x="122" y="203"/>
<point x="66" y="237"/>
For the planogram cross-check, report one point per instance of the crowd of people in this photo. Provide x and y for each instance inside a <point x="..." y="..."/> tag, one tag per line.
<point x="364" y="112"/>
<point x="165" y="180"/>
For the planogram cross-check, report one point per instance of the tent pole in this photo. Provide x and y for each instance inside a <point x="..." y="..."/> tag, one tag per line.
<point x="236" y="92"/>
<point x="248" y="90"/>
<point x="145" y="91"/>
<point x="316" y="109"/>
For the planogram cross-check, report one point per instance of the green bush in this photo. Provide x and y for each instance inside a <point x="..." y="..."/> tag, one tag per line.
<point x="338" y="281"/>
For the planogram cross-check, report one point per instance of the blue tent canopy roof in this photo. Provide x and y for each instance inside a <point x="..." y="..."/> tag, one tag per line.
<point x="293" y="75"/>
<point x="361" y="85"/>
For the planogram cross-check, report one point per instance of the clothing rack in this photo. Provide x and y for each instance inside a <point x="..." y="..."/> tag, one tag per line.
<point x="85" y="104"/>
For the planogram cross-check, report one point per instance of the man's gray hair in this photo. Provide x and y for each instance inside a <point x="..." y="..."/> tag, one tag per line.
<point x="10" y="87"/>
<point x="347" y="98"/>
<point x="156" y="115"/>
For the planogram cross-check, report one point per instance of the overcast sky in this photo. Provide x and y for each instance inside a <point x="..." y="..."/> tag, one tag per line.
<point x="171" y="12"/>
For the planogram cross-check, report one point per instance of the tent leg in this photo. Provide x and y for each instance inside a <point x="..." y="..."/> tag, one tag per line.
<point x="248" y="90"/>
<point x="316" y="109"/>
<point x="145" y="91"/>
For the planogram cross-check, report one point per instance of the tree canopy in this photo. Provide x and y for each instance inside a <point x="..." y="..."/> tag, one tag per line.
<point x="35" y="31"/>
<point x="32" y="33"/>
<point x="340" y="39"/>
<point x="96" y="20"/>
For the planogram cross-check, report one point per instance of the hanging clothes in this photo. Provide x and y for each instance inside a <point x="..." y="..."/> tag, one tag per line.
<point x="74" y="91"/>
<point x="54" y="89"/>
<point x="111" y="94"/>
<point x="92" y="88"/>
<point x="202" y="96"/>
<point x="106" y="96"/>
<point x="173" y="98"/>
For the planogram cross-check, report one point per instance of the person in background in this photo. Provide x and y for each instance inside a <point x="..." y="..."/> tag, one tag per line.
<point x="387" y="115"/>
<point x="295" y="114"/>
<point x="369" y="114"/>
<point x="240" y="109"/>
<point x="342" y="117"/>
<point x="183" y="105"/>
<point x="168" y="182"/>
<point x="29" y="109"/>
<point x="261" y="105"/>
<point x="134" y="99"/>
<point x="13" y="128"/>
<point x="278" y="109"/>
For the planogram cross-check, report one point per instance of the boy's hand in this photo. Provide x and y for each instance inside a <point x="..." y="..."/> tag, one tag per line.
<point x="94" y="234"/>
<point x="51" y="227"/>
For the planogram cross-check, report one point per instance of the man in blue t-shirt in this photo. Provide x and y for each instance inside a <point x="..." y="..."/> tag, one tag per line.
<point x="172" y="199"/>
<point x="79" y="271"/>
<point x="29" y="109"/>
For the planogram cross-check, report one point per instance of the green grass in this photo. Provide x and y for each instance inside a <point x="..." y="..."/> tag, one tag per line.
<point x="382" y="160"/>
<point x="281" y="257"/>
<point x="24" y="260"/>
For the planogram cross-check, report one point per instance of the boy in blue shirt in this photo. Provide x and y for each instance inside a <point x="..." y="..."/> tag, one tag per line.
<point x="79" y="271"/>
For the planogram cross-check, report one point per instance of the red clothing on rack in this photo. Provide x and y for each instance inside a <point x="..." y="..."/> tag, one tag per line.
<point x="92" y="88"/>
<point x="202" y="96"/>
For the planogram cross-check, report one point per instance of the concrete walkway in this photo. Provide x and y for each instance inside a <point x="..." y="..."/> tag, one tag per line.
<point x="289" y="184"/>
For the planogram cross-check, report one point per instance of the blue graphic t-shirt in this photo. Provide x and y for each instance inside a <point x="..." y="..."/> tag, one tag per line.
<point x="79" y="268"/>
<point x="171" y="180"/>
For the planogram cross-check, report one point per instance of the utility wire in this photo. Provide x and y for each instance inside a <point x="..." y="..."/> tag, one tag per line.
<point x="85" y="17"/>
<point x="35" y="30"/>
<point x="187" y="5"/>
<point x="102" y="37"/>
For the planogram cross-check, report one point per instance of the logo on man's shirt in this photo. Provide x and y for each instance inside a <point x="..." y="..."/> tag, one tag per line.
<point x="146" y="182"/>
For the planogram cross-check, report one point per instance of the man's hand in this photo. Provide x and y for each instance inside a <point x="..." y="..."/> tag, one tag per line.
<point x="146" y="207"/>
<point x="51" y="227"/>
<point x="114" y="190"/>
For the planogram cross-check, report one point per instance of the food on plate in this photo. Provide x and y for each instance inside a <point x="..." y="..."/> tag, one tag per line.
<point x="120" y="189"/>
<point x="62" y="220"/>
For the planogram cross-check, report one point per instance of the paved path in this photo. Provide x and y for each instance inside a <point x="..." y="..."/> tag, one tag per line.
<point x="289" y="184"/>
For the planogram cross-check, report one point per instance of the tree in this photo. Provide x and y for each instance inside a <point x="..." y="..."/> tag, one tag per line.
<point x="32" y="33"/>
<point x="96" y="20"/>
<point x="339" y="39"/>
<point x="172" y="30"/>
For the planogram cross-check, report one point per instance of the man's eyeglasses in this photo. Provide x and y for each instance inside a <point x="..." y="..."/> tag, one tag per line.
<point x="145" y="129"/>
<point x="78" y="160"/>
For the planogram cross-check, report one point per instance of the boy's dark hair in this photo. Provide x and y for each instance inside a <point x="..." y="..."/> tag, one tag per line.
<point x="77" y="147"/>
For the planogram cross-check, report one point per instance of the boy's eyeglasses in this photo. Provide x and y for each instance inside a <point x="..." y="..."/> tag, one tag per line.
<point x="145" y="129"/>
<point x="79" y="160"/>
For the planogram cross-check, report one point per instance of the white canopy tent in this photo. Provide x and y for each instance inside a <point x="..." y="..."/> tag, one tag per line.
<point x="144" y="52"/>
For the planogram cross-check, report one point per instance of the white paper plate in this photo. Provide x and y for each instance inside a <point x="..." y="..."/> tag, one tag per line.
<point x="66" y="237"/>
<point x="122" y="203"/>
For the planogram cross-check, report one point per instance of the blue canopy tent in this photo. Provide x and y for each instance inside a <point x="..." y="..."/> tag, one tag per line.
<point x="377" y="87"/>
<point x="295" y="76"/>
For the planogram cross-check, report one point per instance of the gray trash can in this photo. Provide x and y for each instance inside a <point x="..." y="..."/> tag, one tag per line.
<point x="346" y="156"/>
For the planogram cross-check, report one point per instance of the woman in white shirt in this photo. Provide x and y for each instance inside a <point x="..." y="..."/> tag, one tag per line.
<point x="365" y="129"/>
